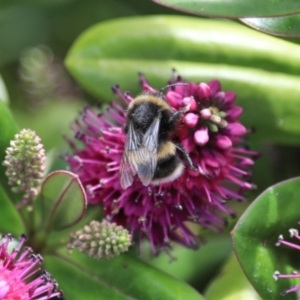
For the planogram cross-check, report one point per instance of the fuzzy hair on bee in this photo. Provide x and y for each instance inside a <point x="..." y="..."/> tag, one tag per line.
<point x="149" y="151"/>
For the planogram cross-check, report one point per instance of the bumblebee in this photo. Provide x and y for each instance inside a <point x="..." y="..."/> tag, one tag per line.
<point x="149" y="151"/>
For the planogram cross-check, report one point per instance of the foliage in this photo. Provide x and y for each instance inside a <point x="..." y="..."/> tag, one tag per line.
<point x="80" y="49"/>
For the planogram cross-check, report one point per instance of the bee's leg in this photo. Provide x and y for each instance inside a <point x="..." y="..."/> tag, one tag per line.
<point x="178" y="114"/>
<point x="186" y="157"/>
<point x="190" y="162"/>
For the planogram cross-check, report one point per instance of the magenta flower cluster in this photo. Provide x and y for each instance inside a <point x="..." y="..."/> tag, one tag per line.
<point x="211" y="134"/>
<point x="17" y="268"/>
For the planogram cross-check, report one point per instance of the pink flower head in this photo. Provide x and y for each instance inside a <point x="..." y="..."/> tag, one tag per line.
<point x="19" y="265"/>
<point x="209" y="132"/>
<point x="293" y="234"/>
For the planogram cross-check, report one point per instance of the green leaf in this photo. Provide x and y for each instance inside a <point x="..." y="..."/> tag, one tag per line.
<point x="231" y="284"/>
<point x="234" y="8"/>
<point x="10" y="221"/>
<point x="288" y="26"/>
<point x="277" y="117"/>
<point x="201" y="50"/>
<point x="273" y="213"/>
<point x="8" y="130"/>
<point x="63" y="200"/>
<point x="118" y="43"/>
<point x="120" y="278"/>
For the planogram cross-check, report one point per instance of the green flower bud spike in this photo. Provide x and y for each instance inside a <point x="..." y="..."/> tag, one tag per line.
<point x="25" y="162"/>
<point x="101" y="240"/>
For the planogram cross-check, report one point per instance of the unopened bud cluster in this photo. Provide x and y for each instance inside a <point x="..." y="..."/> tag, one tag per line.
<point x="101" y="240"/>
<point x="25" y="162"/>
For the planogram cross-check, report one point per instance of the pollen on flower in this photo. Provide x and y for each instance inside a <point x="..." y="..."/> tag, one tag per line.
<point x="209" y="132"/>
<point x="101" y="240"/>
<point x="277" y="275"/>
<point x="16" y="270"/>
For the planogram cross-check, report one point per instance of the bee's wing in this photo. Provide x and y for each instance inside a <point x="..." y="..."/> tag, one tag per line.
<point x="147" y="154"/>
<point x="128" y="167"/>
<point x="126" y="172"/>
<point x="140" y="155"/>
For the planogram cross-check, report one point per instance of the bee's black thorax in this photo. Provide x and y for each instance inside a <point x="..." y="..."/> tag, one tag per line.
<point x="144" y="111"/>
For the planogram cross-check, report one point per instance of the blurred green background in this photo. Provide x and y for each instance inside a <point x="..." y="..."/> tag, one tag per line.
<point x="35" y="38"/>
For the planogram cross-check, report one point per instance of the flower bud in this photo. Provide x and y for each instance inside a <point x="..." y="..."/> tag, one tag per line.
<point x="25" y="159"/>
<point x="101" y="240"/>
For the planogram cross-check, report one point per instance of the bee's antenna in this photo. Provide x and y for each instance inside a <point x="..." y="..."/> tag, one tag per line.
<point x="170" y="85"/>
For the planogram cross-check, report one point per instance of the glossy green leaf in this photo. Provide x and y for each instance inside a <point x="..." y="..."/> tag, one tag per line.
<point x="234" y="8"/>
<point x="288" y="26"/>
<point x="8" y="130"/>
<point x="200" y="50"/>
<point x="273" y="213"/>
<point x="277" y="95"/>
<point x="231" y="284"/>
<point x="63" y="200"/>
<point x="171" y="40"/>
<point x="10" y="220"/>
<point x="116" y="279"/>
